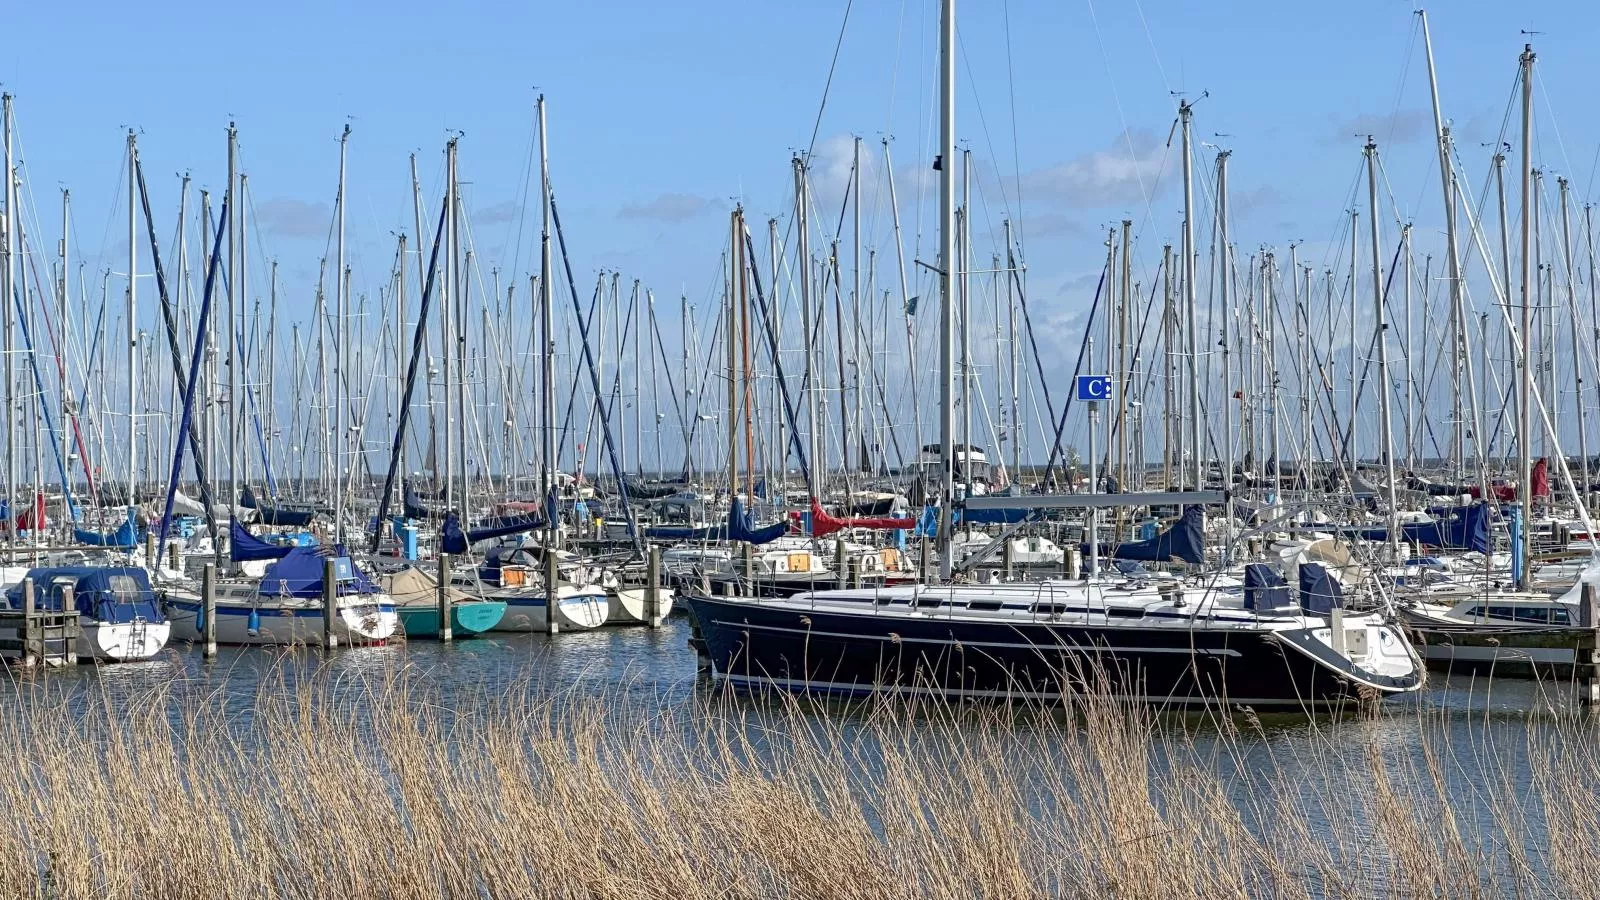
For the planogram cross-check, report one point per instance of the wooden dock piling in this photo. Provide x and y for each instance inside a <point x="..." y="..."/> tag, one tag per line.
<point x="652" y="589"/>
<point x="552" y="591"/>
<point x="330" y="603"/>
<point x="1586" y="655"/>
<point x="839" y="572"/>
<point x="442" y="600"/>
<point x="208" y="611"/>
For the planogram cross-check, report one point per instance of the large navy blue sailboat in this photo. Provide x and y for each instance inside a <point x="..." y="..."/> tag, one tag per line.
<point x="1139" y="635"/>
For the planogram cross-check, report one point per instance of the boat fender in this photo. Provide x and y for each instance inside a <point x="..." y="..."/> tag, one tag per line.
<point x="253" y="625"/>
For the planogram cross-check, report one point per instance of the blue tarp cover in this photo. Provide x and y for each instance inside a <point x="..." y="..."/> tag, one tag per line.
<point x="244" y="546"/>
<point x="299" y="574"/>
<point x="1453" y="528"/>
<point x="740" y="529"/>
<point x="125" y="538"/>
<point x="115" y="594"/>
<point x="1184" y="540"/>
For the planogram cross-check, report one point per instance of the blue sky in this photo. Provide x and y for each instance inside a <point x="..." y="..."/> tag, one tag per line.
<point x="662" y="115"/>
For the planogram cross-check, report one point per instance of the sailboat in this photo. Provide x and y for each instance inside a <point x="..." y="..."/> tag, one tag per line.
<point x="120" y="618"/>
<point x="416" y="600"/>
<point x="285" y="606"/>
<point x="1180" y="640"/>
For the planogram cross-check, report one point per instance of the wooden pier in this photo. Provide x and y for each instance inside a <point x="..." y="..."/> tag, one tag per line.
<point x="36" y="636"/>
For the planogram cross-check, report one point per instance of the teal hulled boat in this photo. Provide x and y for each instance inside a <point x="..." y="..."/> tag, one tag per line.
<point x="467" y="617"/>
<point x="416" y="599"/>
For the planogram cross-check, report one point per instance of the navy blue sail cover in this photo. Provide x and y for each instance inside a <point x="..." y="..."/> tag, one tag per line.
<point x="1320" y="592"/>
<point x="299" y="574"/>
<point x="125" y="538"/>
<point x="245" y="547"/>
<point x="741" y="529"/>
<point x="1184" y="540"/>
<point x="1453" y="528"/>
<point x="1264" y="588"/>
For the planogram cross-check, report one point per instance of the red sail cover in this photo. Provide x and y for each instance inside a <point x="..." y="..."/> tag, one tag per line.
<point x="27" y="518"/>
<point x="1541" y="478"/>
<point x="823" y="524"/>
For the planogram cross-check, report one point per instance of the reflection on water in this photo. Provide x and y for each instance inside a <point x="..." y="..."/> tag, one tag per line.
<point x="650" y="665"/>
<point x="656" y="668"/>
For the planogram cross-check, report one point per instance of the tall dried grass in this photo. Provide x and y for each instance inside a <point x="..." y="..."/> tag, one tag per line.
<point x="379" y="788"/>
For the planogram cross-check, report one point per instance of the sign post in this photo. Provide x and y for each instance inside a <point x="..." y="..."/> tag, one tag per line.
<point x="1092" y="389"/>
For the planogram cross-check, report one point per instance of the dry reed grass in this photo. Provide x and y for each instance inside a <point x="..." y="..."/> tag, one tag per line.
<point x="380" y="789"/>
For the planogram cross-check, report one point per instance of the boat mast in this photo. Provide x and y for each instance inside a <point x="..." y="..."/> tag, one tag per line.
<point x="7" y="285"/>
<point x="1452" y="256"/>
<point x="780" y="444"/>
<point x="1225" y="253"/>
<point x="1505" y="274"/>
<point x="1169" y="321"/>
<point x="731" y="329"/>
<point x="1185" y="116"/>
<point x="1577" y="357"/>
<point x="547" y="330"/>
<point x="964" y="260"/>
<point x="341" y="304"/>
<point x="68" y="415"/>
<point x="858" y="437"/>
<point x="1381" y="322"/>
<point x="947" y="262"/>
<point x="447" y="314"/>
<point x="1525" y="375"/>
<point x="803" y="251"/>
<point x="231" y="199"/>
<point x="133" y="326"/>
<point x="905" y="300"/>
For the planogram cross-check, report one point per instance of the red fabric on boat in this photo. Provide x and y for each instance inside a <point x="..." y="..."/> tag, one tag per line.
<point x="1541" y="478"/>
<point x="27" y="517"/>
<point x="823" y="524"/>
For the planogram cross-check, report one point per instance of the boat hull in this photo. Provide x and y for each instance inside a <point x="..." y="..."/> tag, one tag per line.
<point x="354" y="622"/>
<point x="576" y="609"/>
<point x="1507" y="652"/>
<point x="834" y="652"/>
<point x="121" y="641"/>
<point x="467" y="618"/>
<point x="625" y="606"/>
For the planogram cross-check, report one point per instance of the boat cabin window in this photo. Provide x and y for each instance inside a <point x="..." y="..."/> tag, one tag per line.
<point x="986" y="604"/>
<point x="1047" y="608"/>
<point x="1532" y="615"/>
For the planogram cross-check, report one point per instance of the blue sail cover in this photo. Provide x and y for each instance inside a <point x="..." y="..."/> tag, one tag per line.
<point x="299" y="574"/>
<point x="1006" y="516"/>
<point x="124" y="538"/>
<point x="489" y="529"/>
<point x="456" y="541"/>
<point x="1264" y="589"/>
<point x="244" y="546"/>
<point x="1185" y="540"/>
<point x="115" y="594"/>
<point x="740" y="529"/>
<point x="415" y="508"/>
<point x="1319" y="590"/>
<point x="452" y="539"/>
<point x="1453" y="528"/>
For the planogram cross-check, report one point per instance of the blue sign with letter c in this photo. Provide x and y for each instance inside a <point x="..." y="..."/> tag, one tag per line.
<point x="1094" y="387"/>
